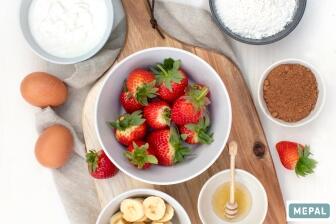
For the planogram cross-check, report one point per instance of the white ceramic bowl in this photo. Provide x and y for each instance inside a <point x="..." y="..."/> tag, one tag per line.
<point x="108" y="108"/>
<point x="259" y="206"/>
<point x="24" y="23"/>
<point x="320" y="100"/>
<point x="180" y="216"/>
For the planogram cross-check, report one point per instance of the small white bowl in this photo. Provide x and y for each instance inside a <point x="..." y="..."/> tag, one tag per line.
<point x="259" y="200"/>
<point x="108" y="108"/>
<point x="25" y="29"/>
<point x="320" y="100"/>
<point x="180" y="216"/>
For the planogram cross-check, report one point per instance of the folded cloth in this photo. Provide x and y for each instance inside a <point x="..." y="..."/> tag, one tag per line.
<point x="192" y="25"/>
<point x="75" y="187"/>
<point x="73" y="182"/>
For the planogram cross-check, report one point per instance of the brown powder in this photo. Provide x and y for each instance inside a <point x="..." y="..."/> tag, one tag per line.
<point x="290" y="92"/>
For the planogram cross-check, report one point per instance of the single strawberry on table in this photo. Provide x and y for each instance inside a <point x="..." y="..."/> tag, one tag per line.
<point x="197" y="133"/>
<point x="141" y="84"/>
<point x="127" y="100"/>
<point x="157" y="114"/>
<point x="140" y="155"/>
<point x="129" y="127"/>
<point x="296" y="156"/>
<point x="171" y="79"/>
<point x="190" y="107"/>
<point x="167" y="146"/>
<point x="100" y="166"/>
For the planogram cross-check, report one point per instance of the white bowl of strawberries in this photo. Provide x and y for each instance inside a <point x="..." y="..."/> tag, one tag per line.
<point x="163" y="115"/>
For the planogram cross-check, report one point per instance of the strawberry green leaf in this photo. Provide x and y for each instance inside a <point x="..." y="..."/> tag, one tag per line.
<point x="206" y="120"/>
<point x="204" y="137"/>
<point x="128" y="120"/>
<point x="128" y="155"/>
<point x="152" y="159"/>
<point x="202" y="130"/>
<point x="168" y="63"/>
<point x="181" y="151"/>
<point x="92" y="160"/>
<point x="176" y="65"/>
<point x="198" y="96"/>
<point x="191" y="127"/>
<point x="174" y="136"/>
<point x="139" y="156"/>
<point x="146" y="91"/>
<point x="184" y="136"/>
<point x="305" y="165"/>
<point x="168" y="73"/>
<point x="167" y="115"/>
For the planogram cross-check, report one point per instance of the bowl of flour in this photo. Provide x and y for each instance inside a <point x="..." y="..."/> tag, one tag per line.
<point x="257" y="21"/>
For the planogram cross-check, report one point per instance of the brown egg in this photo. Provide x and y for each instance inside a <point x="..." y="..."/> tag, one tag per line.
<point x="42" y="89"/>
<point x="54" y="146"/>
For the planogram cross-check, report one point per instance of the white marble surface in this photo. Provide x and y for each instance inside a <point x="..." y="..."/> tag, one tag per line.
<point x="27" y="193"/>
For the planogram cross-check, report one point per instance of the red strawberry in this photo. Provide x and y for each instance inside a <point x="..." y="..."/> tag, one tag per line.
<point x="100" y="166"/>
<point x="140" y="155"/>
<point x="167" y="146"/>
<point x="157" y="114"/>
<point x="191" y="107"/>
<point x="171" y="79"/>
<point x="129" y="127"/>
<point x="141" y="84"/>
<point x="296" y="156"/>
<point x="197" y="133"/>
<point x="128" y="101"/>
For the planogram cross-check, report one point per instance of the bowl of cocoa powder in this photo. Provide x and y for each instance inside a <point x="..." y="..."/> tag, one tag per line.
<point x="291" y="92"/>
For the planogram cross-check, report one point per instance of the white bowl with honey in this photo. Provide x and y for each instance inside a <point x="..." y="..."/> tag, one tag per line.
<point x="250" y="196"/>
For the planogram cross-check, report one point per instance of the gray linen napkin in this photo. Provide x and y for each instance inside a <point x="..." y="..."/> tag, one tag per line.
<point x="193" y="26"/>
<point x="75" y="186"/>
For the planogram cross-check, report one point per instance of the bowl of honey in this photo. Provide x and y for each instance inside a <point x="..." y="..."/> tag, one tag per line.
<point x="250" y="196"/>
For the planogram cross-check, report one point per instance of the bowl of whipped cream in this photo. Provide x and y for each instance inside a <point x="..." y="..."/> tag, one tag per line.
<point x="257" y="22"/>
<point x="66" y="31"/>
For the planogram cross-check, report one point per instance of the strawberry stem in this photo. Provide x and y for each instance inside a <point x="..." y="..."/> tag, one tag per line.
<point x="92" y="160"/>
<point x="203" y="94"/>
<point x="163" y="70"/>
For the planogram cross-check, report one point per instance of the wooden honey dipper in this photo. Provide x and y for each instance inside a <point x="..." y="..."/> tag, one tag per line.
<point x="231" y="207"/>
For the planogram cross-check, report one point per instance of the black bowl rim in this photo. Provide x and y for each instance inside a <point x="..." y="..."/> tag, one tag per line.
<point x="267" y="40"/>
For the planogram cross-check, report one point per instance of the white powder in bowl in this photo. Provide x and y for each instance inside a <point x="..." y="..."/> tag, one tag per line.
<point x="256" y="19"/>
<point x="68" y="28"/>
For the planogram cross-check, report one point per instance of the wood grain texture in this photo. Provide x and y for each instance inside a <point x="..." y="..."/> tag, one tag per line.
<point x="246" y="127"/>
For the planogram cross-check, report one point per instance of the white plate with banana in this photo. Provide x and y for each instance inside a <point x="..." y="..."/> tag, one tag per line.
<point x="142" y="206"/>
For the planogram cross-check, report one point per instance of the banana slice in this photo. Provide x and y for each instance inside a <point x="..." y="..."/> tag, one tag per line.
<point x="132" y="210"/>
<point x="168" y="214"/>
<point x="139" y="199"/>
<point x="155" y="208"/>
<point x="143" y="219"/>
<point x="121" y="221"/>
<point x="162" y="222"/>
<point x="117" y="219"/>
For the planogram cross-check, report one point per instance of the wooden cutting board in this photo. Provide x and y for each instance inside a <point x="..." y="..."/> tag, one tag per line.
<point x="246" y="127"/>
